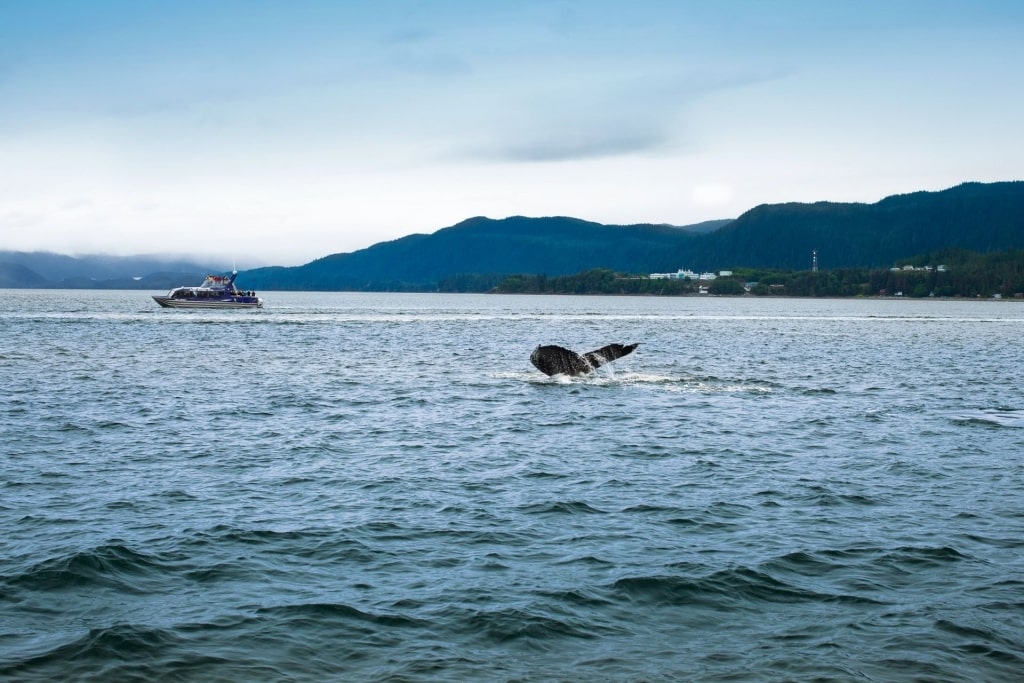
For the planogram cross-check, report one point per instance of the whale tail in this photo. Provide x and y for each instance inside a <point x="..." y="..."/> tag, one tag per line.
<point x="555" y="360"/>
<point x="606" y="354"/>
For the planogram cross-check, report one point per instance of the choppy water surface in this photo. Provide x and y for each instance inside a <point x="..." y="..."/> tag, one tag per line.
<point x="381" y="487"/>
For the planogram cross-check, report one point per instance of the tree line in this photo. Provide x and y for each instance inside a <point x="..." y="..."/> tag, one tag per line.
<point x="946" y="273"/>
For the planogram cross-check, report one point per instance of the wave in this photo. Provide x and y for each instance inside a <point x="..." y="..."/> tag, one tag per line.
<point x="319" y="614"/>
<point x="996" y="417"/>
<point x="131" y="652"/>
<point x="740" y="587"/>
<point x="307" y="544"/>
<point x="912" y="558"/>
<point x="560" y="507"/>
<point x="802" y="576"/>
<point x="935" y="556"/>
<point x="96" y="653"/>
<point x="112" y="565"/>
<point x="542" y="629"/>
<point x="975" y="640"/>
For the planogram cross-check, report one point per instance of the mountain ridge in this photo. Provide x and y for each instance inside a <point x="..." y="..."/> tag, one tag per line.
<point x="982" y="217"/>
<point x="976" y="216"/>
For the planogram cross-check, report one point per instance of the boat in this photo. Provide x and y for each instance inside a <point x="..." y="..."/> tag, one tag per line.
<point x="217" y="291"/>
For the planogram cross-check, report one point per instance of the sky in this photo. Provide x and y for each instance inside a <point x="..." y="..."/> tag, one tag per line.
<point x="277" y="132"/>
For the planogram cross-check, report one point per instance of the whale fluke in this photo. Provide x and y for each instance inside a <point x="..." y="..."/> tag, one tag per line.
<point x="555" y="360"/>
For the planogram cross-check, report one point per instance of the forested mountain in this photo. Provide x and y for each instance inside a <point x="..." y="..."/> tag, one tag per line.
<point x="486" y="246"/>
<point x="975" y="216"/>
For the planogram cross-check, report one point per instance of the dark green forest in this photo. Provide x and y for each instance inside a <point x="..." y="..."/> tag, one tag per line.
<point x="945" y="273"/>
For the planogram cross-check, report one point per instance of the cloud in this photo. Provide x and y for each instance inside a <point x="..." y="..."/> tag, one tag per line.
<point x="77" y="204"/>
<point x="600" y="117"/>
<point x="712" y="194"/>
<point x="585" y="141"/>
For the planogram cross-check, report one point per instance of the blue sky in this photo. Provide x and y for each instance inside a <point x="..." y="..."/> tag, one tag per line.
<point x="279" y="132"/>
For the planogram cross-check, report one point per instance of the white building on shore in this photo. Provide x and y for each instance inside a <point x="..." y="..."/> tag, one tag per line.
<point x="683" y="274"/>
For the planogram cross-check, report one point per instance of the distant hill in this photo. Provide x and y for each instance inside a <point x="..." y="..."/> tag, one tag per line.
<point x="705" y="227"/>
<point x="974" y="216"/>
<point x="13" y="275"/>
<point x="46" y="269"/>
<point x="485" y="246"/>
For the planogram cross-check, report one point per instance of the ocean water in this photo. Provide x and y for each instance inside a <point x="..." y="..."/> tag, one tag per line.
<point x="380" y="487"/>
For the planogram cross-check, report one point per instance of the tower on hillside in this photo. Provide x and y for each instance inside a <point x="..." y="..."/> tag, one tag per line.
<point x="814" y="261"/>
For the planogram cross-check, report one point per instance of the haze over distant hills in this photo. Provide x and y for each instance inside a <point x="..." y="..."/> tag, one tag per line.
<point x="45" y="269"/>
<point x="975" y="216"/>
